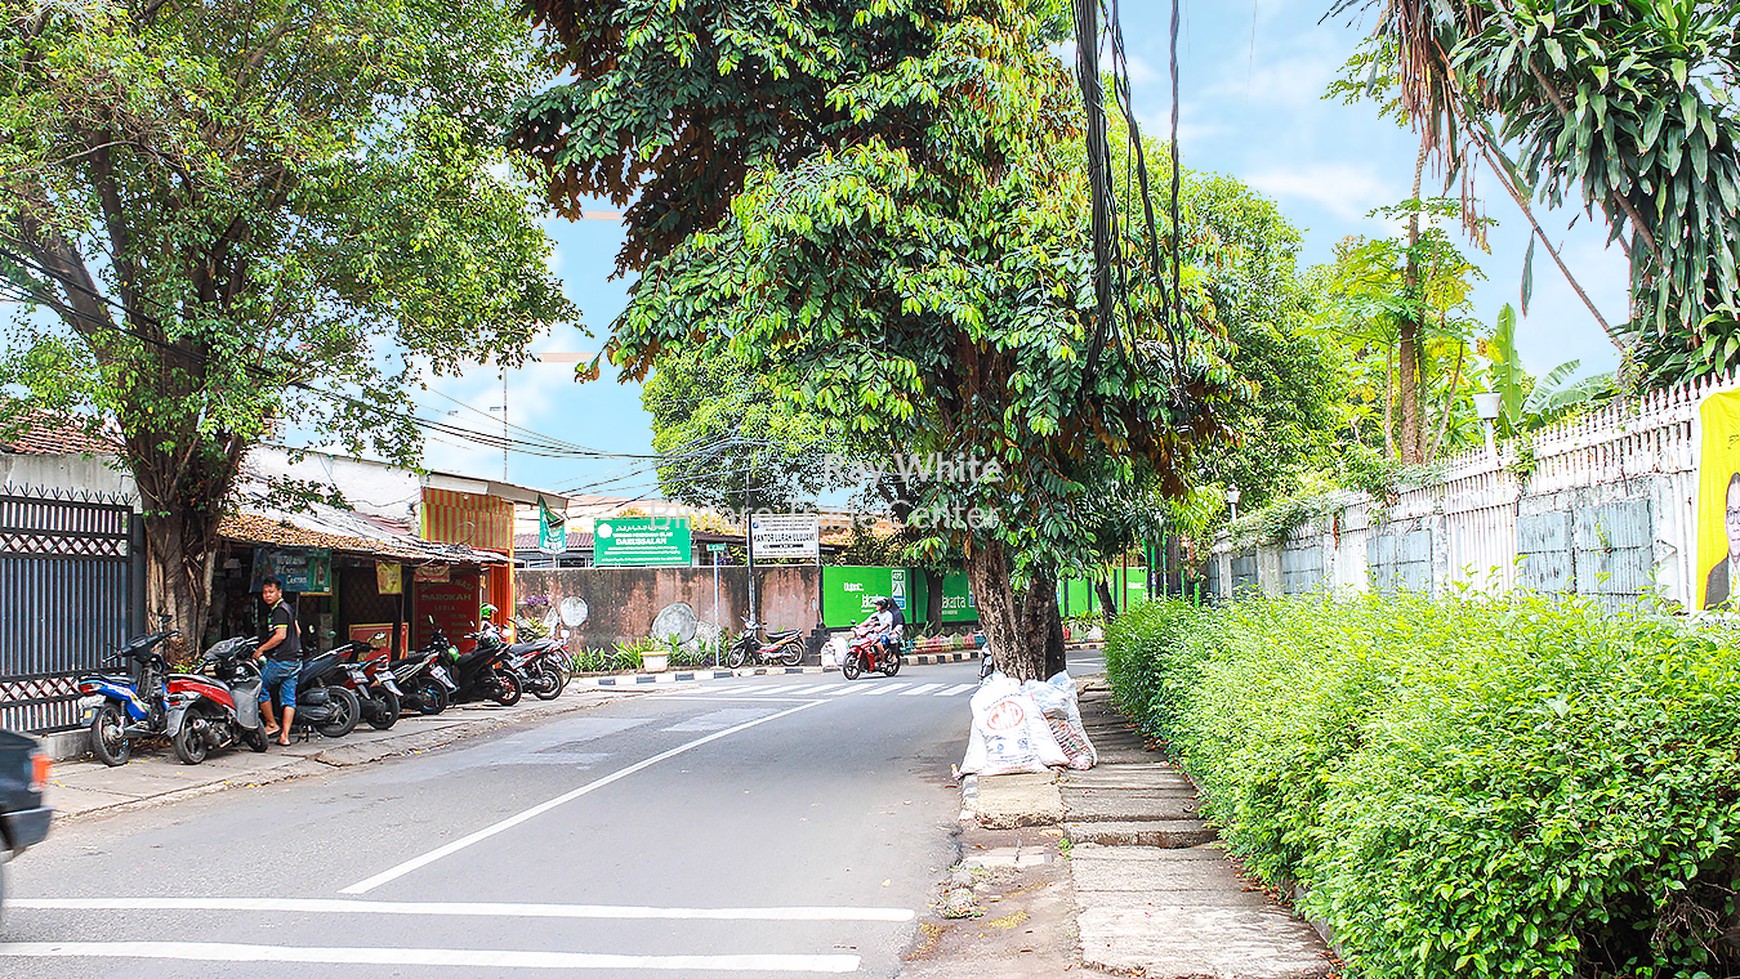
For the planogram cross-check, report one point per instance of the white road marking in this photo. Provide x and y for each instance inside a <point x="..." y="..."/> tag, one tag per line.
<point x="370" y="883"/>
<point x="467" y="958"/>
<point x="485" y="909"/>
<point x="832" y="689"/>
<point x="720" y="719"/>
<point x="878" y="689"/>
<point x="922" y="688"/>
<point x="957" y="690"/>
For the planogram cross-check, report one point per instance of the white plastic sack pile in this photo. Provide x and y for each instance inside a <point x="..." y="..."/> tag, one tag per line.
<point x="1056" y="698"/>
<point x="1026" y="728"/>
<point x="1010" y="734"/>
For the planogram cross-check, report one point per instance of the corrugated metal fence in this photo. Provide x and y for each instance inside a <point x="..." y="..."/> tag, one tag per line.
<point x="1604" y="506"/>
<point x="70" y="594"/>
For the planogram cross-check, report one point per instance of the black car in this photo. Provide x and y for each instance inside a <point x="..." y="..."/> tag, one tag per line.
<point x="23" y="818"/>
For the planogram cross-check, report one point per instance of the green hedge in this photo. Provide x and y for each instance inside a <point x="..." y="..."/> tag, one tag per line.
<point x="1467" y="786"/>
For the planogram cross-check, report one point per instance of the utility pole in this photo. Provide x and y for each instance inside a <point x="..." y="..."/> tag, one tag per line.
<point x="749" y="537"/>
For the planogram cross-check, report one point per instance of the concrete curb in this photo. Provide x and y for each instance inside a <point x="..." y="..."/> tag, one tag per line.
<point x="677" y="676"/>
<point x="680" y="676"/>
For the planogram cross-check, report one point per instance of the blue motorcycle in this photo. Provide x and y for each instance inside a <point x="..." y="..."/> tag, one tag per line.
<point x="119" y="708"/>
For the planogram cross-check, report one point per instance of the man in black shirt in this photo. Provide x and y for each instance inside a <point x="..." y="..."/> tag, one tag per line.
<point x="282" y="651"/>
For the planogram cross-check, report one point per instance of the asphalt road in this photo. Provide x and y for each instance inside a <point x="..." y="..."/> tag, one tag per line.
<point x="773" y="825"/>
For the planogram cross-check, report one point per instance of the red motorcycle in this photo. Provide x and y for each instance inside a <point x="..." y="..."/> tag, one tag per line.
<point x="866" y="654"/>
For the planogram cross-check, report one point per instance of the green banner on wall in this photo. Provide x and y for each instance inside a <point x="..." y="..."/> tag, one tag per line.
<point x="641" y="542"/>
<point x="847" y="591"/>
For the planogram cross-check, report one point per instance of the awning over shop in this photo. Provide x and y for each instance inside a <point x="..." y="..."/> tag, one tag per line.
<point x="330" y="528"/>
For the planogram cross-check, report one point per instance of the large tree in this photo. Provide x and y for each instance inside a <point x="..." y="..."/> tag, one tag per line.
<point x="911" y="261"/>
<point x="229" y="216"/>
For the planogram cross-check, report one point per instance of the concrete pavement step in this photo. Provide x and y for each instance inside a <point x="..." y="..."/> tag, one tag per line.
<point x="1152" y="776"/>
<point x="1090" y="806"/>
<point x="1160" y="833"/>
<point x="1186" y="913"/>
<point x="1202" y="940"/>
<point x="1010" y="801"/>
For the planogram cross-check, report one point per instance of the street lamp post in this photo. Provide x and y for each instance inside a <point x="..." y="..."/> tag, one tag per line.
<point x="1486" y="405"/>
<point x="1232" y="500"/>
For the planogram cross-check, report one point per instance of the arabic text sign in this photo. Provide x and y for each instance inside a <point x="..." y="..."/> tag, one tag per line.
<point x="641" y="542"/>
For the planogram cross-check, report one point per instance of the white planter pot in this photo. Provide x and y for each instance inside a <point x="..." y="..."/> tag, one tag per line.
<point x="655" y="662"/>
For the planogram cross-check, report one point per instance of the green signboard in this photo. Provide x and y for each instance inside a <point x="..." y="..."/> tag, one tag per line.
<point x="641" y="542"/>
<point x="957" y="599"/>
<point x="847" y="591"/>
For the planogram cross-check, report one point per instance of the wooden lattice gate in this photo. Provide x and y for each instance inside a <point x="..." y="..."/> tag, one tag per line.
<point x="71" y="591"/>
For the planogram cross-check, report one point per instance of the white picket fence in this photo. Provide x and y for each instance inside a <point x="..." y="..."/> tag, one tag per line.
<point x="1607" y="508"/>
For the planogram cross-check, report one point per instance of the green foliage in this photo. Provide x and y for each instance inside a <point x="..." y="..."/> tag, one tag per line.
<point x="1625" y="105"/>
<point x="626" y="655"/>
<point x="1467" y="786"/>
<point x="222" y="207"/>
<point x="592" y="660"/>
<point x="1367" y="299"/>
<point x="905" y="260"/>
<point x="1525" y="403"/>
<point x="723" y="432"/>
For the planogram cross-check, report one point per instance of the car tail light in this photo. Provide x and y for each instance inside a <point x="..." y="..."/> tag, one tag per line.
<point x="39" y="767"/>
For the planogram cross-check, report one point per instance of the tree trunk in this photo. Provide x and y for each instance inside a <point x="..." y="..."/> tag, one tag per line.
<point x="933" y="602"/>
<point x="1024" y="630"/>
<point x="182" y="495"/>
<point x="1413" y="442"/>
<point x="1108" y="605"/>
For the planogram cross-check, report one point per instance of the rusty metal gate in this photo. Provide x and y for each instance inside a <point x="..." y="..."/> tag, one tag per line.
<point x="71" y="591"/>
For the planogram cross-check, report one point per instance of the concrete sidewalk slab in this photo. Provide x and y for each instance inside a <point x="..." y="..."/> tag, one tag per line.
<point x="1009" y="801"/>
<point x="1105" y="806"/>
<point x="1226" y="942"/>
<point x="1150" y="777"/>
<point x="1165" y="833"/>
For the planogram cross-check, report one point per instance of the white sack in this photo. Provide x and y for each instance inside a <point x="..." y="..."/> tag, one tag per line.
<point x="1056" y="698"/>
<point x="1010" y="734"/>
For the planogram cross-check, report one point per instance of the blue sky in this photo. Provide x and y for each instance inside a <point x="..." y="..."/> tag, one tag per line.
<point x="1252" y="76"/>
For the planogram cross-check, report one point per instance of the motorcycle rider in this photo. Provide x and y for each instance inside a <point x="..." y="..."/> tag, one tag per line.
<point x="892" y="624"/>
<point x="281" y="649"/>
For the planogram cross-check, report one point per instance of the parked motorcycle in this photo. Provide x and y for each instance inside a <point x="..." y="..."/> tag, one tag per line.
<point x="425" y="685"/>
<point x="987" y="666"/>
<point x="866" y="654"/>
<point x="785" y="647"/>
<point x="485" y="673"/>
<point x="219" y="707"/>
<point x="541" y="663"/>
<point x="323" y="703"/>
<point x="373" y="683"/>
<point x="121" y="707"/>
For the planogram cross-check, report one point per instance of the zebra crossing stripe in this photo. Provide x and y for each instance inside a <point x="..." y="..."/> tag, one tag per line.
<point x="921" y="689"/>
<point x="833" y="688"/>
<point x="879" y="689"/>
<point x="956" y="690"/>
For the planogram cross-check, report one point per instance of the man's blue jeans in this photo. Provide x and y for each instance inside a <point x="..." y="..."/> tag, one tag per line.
<point x="279" y="676"/>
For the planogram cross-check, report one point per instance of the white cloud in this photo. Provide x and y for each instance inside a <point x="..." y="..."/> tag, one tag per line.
<point x="1345" y="190"/>
<point x="1291" y="81"/>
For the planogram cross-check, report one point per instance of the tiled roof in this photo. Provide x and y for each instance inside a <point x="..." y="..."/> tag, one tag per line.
<point x="41" y="433"/>
<point x="343" y="530"/>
